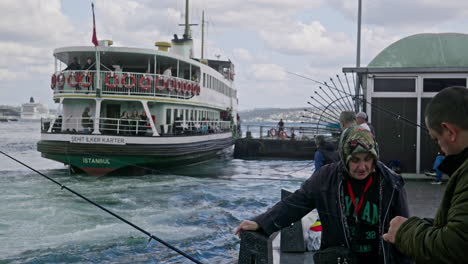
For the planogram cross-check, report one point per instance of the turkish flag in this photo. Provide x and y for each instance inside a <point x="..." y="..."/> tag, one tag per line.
<point x="94" y="40"/>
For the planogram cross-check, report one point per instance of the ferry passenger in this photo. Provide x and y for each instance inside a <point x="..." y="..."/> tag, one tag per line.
<point x="124" y="127"/>
<point x="361" y="120"/>
<point x="325" y="153"/>
<point x="86" y="122"/>
<point x="168" y="71"/>
<point x="144" y="124"/>
<point x="74" y="66"/>
<point x="443" y="239"/>
<point x="90" y="66"/>
<point x="135" y="122"/>
<point x="355" y="199"/>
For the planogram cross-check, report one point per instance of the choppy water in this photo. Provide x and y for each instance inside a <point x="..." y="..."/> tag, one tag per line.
<point x="194" y="208"/>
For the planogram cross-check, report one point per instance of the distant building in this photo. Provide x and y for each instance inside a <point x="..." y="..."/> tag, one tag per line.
<point x="402" y="79"/>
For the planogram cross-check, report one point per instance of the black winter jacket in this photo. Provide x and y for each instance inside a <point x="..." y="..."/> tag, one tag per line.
<point x="324" y="192"/>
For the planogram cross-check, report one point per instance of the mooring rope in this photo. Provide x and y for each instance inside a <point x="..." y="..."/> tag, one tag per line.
<point x="107" y="210"/>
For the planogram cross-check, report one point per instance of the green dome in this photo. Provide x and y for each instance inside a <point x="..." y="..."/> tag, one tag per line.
<point x="425" y="51"/>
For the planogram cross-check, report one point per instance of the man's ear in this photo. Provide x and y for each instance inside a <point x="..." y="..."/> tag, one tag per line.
<point x="451" y="130"/>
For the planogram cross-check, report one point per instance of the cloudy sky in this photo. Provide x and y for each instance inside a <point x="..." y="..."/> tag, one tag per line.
<point x="264" y="38"/>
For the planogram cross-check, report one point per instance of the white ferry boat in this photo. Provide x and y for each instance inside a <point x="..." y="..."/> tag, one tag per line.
<point x="139" y="108"/>
<point x="33" y="111"/>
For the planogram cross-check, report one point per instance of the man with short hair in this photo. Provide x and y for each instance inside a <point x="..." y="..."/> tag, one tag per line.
<point x="74" y="65"/>
<point x="361" y="120"/>
<point x="443" y="239"/>
<point x="355" y="199"/>
<point x="347" y="119"/>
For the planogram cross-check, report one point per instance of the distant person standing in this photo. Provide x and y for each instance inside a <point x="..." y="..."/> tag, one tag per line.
<point x="74" y="66"/>
<point x="325" y="153"/>
<point x="438" y="160"/>
<point x="361" y="120"/>
<point x="90" y="65"/>
<point x="280" y="125"/>
<point x="168" y="71"/>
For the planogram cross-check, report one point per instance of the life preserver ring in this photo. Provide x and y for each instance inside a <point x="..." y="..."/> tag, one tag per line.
<point x="178" y="86"/>
<point x="196" y="89"/>
<point x="132" y="81"/>
<point x="75" y="77"/>
<point x="61" y="80"/>
<point x="188" y="88"/>
<point x="167" y="84"/>
<point x="157" y="85"/>
<point x="53" y="81"/>
<point x="111" y="85"/>
<point x="83" y="76"/>
<point x="283" y="135"/>
<point x="144" y="82"/>
<point x="273" y="132"/>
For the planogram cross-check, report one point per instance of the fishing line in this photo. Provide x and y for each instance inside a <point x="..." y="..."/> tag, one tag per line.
<point x="107" y="210"/>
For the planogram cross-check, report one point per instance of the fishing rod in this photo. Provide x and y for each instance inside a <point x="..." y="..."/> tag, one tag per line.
<point x="106" y="210"/>
<point x="395" y="115"/>
<point x="345" y="105"/>
<point x="320" y="111"/>
<point x="327" y="118"/>
<point x="347" y="101"/>
<point x="342" y="108"/>
<point x="332" y="114"/>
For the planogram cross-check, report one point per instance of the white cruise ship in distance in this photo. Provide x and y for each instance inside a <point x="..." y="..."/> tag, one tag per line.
<point x="33" y="111"/>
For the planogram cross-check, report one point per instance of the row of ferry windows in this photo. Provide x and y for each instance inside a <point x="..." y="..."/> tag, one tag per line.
<point x="190" y="115"/>
<point x="215" y="84"/>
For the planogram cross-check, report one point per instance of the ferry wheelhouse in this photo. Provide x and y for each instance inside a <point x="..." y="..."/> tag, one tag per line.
<point x="139" y="108"/>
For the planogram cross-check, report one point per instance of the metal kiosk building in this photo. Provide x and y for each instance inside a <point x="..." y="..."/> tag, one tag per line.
<point x="402" y="79"/>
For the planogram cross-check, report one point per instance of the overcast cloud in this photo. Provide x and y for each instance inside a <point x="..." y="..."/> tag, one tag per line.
<point x="264" y="38"/>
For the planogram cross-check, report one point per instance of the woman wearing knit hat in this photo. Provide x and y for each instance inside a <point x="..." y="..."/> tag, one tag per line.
<point x="355" y="199"/>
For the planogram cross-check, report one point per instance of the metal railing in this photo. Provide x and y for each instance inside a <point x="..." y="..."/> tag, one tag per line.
<point x="124" y="83"/>
<point x="132" y="127"/>
<point x="287" y="133"/>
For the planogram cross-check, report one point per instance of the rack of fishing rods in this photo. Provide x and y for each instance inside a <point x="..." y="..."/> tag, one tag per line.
<point x="332" y="99"/>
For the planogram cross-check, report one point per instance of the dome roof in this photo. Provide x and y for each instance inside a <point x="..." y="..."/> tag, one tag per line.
<point x="425" y="51"/>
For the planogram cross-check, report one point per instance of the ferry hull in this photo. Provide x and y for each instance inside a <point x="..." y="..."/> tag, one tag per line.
<point x="103" y="159"/>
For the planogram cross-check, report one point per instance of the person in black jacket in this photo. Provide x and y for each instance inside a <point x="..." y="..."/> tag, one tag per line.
<point x="325" y="153"/>
<point x="74" y="66"/>
<point x="355" y="198"/>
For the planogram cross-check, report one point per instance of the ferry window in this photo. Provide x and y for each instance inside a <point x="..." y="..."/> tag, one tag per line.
<point x="204" y="79"/>
<point x="436" y="85"/>
<point x="394" y="85"/>
<point x="186" y="114"/>
<point x="168" y="116"/>
<point x="176" y="113"/>
<point x="192" y="115"/>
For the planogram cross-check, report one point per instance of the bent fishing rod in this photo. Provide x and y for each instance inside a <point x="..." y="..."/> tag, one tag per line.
<point x="395" y="115"/>
<point x="107" y="210"/>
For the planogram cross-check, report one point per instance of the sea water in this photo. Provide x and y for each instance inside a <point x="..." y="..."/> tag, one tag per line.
<point x="195" y="208"/>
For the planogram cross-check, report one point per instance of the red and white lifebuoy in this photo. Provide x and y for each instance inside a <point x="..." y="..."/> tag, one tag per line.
<point x="145" y="82"/>
<point x="61" y="80"/>
<point x="53" y="81"/>
<point x="188" y="88"/>
<point x="178" y="86"/>
<point x="283" y="135"/>
<point x="75" y="78"/>
<point x="157" y="84"/>
<point x="273" y="132"/>
<point x="114" y="83"/>
<point x="132" y="81"/>
<point x="84" y="76"/>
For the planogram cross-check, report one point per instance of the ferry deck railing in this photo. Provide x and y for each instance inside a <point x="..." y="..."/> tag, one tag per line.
<point x="124" y="83"/>
<point x="133" y="127"/>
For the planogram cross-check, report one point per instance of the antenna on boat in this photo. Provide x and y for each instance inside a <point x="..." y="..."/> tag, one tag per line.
<point x="202" y="35"/>
<point x="187" y="26"/>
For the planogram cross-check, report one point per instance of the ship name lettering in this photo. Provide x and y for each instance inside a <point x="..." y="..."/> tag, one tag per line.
<point x="96" y="161"/>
